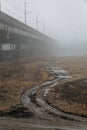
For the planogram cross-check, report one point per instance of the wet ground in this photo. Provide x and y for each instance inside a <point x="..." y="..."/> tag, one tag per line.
<point x="34" y="99"/>
<point x="36" y="113"/>
<point x="35" y="123"/>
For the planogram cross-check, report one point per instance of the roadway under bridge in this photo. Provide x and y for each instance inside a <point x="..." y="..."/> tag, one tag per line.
<point x="18" y="40"/>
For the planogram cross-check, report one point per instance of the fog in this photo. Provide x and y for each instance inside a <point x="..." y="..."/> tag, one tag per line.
<point x="63" y="20"/>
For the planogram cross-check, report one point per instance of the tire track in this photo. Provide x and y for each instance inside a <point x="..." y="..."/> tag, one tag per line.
<point x="35" y="98"/>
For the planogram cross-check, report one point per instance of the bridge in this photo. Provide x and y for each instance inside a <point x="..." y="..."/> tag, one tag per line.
<point x="18" y="40"/>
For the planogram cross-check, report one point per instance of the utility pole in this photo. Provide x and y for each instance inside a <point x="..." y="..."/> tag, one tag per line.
<point x="0" y="5"/>
<point x="44" y="27"/>
<point x="25" y="10"/>
<point x="37" y="22"/>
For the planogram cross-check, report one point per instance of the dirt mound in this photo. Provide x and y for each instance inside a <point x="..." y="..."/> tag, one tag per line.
<point x="75" y="91"/>
<point x="70" y="97"/>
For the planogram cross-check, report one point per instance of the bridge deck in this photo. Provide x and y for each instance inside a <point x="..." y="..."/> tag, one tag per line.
<point x="21" y="39"/>
<point x="10" y="24"/>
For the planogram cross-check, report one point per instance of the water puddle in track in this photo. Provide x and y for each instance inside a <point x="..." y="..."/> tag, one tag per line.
<point x="38" y="106"/>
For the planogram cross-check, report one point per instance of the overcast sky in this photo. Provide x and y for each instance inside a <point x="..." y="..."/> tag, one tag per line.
<point x="65" y="20"/>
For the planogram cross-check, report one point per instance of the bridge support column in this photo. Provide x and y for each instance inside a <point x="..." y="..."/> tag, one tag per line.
<point x="0" y="47"/>
<point x="12" y="47"/>
<point x="17" y="50"/>
<point x="1" y="51"/>
<point x="22" y="48"/>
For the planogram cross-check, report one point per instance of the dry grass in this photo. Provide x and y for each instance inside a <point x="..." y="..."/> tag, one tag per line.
<point x="72" y="96"/>
<point x="77" y="66"/>
<point x="15" y="78"/>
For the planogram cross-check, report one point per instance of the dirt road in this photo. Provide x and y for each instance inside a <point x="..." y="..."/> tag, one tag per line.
<point x="35" y="98"/>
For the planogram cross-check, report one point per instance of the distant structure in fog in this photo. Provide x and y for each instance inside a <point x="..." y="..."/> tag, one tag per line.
<point x="18" y="40"/>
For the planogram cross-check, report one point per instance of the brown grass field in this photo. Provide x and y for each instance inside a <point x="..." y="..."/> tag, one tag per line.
<point x="71" y="96"/>
<point x="15" y="78"/>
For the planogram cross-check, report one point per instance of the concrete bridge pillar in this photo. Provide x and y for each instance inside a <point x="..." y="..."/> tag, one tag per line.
<point x="0" y="47"/>
<point x="17" y="50"/>
<point x="12" y="47"/>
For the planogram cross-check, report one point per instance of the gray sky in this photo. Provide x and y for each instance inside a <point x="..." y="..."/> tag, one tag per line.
<point x="65" y="20"/>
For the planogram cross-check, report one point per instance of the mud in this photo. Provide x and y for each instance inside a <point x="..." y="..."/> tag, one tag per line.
<point x="38" y="94"/>
<point x="17" y="112"/>
<point x="37" y="114"/>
